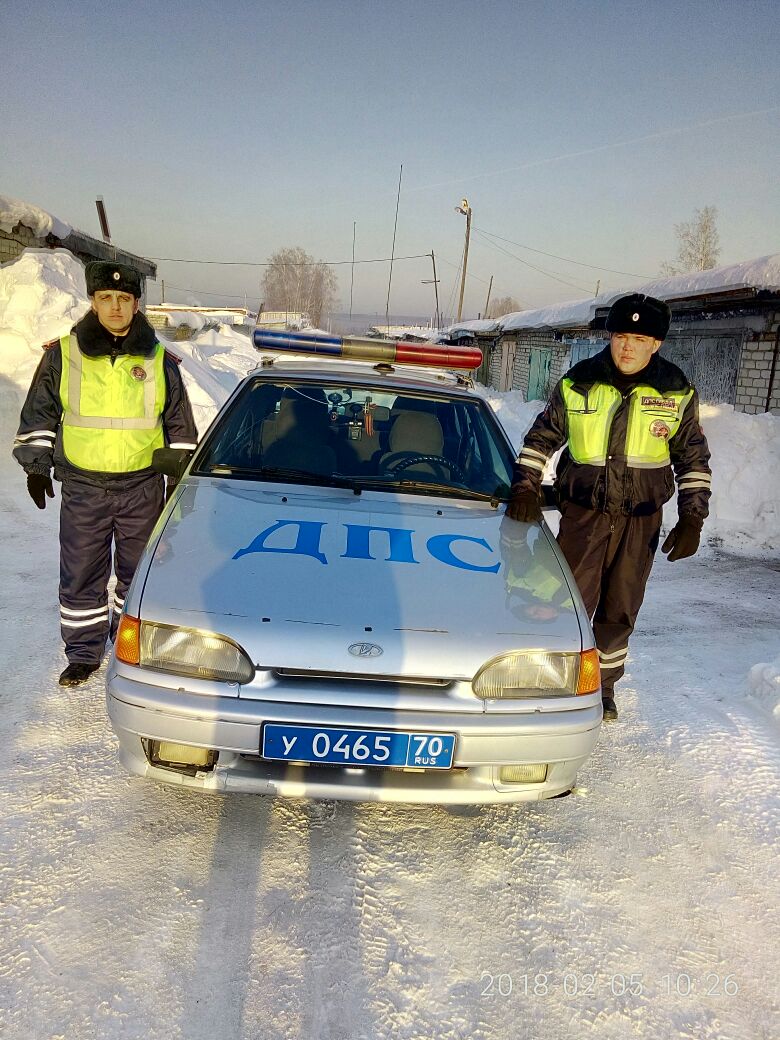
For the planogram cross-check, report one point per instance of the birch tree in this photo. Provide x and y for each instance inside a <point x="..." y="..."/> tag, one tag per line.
<point x="698" y="243"/>
<point x="295" y="281"/>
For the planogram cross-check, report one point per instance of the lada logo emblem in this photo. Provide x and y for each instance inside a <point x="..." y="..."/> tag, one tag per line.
<point x="365" y="650"/>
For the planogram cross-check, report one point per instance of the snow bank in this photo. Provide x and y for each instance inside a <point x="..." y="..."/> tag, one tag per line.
<point x="189" y="318"/>
<point x="212" y="363"/>
<point x="42" y="295"/>
<point x="15" y="211"/>
<point x="764" y="686"/>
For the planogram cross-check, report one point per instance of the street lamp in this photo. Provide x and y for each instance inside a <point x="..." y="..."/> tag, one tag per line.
<point x="465" y="209"/>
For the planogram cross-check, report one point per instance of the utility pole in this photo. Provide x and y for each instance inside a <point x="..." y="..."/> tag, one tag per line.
<point x="465" y="209"/>
<point x="162" y="292"/>
<point x="598" y="286"/>
<point x="392" y="253"/>
<point x="487" y="301"/>
<point x="352" y="281"/>
<point x="435" y="282"/>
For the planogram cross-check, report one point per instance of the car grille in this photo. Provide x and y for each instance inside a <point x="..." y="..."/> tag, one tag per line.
<point x="360" y="677"/>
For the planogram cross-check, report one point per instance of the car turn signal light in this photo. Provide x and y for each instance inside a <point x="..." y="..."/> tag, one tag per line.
<point x="590" y="674"/>
<point x="128" y="640"/>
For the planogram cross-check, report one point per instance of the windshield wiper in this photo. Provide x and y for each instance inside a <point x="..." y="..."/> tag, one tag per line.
<point x="394" y="483"/>
<point x="281" y="473"/>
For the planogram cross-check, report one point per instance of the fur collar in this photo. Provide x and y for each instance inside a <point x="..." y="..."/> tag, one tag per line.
<point x="660" y="373"/>
<point x="95" y="341"/>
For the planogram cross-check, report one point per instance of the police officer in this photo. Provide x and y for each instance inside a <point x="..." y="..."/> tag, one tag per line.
<point x="103" y="398"/>
<point x="628" y="419"/>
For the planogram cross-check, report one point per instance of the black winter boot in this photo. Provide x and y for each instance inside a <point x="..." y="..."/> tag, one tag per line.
<point x="608" y="706"/>
<point x="77" y="673"/>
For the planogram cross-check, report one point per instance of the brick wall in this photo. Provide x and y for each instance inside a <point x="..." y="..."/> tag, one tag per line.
<point x="515" y="348"/>
<point x="12" y="244"/>
<point x="755" y="369"/>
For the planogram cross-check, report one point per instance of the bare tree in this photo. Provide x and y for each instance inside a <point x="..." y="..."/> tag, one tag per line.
<point x="502" y="305"/>
<point x="295" y="281"/>
<point x="698" y="243"/>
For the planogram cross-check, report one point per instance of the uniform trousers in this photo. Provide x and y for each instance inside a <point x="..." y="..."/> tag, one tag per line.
<point x="93" y="519"/>
<point x="611" y="559"/>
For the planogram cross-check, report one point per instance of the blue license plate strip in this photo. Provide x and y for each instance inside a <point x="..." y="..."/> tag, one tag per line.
<point x="357" y="747"/>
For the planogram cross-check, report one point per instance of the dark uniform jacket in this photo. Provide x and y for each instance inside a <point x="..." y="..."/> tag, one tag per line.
<point x="618" y="488"/>
<point x="38" y="443"/>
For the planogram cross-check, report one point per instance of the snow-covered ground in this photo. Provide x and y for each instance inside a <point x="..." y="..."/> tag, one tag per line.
<point x="645" y="905"/>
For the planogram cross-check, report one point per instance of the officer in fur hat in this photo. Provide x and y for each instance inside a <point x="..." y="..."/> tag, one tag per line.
<point x="103" y="398"/>
<point x="629" y="421"/>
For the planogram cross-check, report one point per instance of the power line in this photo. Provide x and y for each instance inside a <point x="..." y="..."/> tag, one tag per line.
<point x="202" y="292"/>
<point x="315" y="263"/>
<point x="533" y="267"/>
<point x="565" y="259"/>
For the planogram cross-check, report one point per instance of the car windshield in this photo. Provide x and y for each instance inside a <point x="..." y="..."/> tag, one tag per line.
<point x="361" y="437"/>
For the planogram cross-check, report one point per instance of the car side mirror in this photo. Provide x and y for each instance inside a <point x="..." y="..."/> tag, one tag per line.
<point x="171" y="462"/>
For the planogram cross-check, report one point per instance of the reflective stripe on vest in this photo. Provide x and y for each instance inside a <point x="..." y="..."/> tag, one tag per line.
<point x="112" y="419"/>
<point x="653" y="420"/>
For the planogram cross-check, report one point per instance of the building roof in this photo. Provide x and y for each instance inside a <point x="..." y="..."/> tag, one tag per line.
<point x="747" y="279"/>
<point x="56" y="232"/>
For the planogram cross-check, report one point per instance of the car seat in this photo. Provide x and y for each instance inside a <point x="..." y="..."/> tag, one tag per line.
<point x="301" y="437"/>
<point x="415" y="433"/>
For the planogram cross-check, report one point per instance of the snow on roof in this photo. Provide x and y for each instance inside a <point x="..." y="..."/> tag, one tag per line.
<point x="478" y="325"/>
<point x="15" y="211"/>
<point x="762" y="273"/>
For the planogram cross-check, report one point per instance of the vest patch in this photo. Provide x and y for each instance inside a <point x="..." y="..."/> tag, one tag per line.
<point x="659" y="429"/>
<point x="659" y="402"/>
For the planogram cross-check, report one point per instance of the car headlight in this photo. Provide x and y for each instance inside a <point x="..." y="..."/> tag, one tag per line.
<point x="183" y="651"/>
<point x="538" y="673"/>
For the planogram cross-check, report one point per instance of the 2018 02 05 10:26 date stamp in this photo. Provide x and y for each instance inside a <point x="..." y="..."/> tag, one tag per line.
<point x="619" y="984"/>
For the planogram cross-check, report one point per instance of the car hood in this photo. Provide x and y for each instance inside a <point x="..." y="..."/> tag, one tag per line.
<point x="373" y="583"/>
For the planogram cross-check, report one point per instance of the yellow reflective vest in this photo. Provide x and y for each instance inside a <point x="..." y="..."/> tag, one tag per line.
<point x="112" y="411"/>
<point x="653" y="420"/>
<point x="622" y="448"/>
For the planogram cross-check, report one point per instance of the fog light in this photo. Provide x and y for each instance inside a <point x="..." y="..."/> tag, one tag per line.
<point x="180" y="756"/>
<point x="534" y="774"/>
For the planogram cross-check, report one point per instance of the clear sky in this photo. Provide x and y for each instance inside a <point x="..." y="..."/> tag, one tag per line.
<point x="227" y="130"/>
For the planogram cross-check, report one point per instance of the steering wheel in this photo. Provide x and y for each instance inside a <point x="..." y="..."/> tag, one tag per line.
<point x="413" y="460"/>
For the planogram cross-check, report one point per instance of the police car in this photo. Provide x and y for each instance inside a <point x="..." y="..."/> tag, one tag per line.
<point x="334" y="605"/>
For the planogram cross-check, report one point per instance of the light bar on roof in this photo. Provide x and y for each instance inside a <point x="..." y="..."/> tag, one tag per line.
<point x="353" y="348"/>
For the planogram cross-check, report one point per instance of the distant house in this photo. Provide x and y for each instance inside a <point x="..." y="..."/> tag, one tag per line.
<point x="282" y="320"/>
<point x="25" y="226"/>
<point x="171" y="315"/>
<point x="725" y="335"/>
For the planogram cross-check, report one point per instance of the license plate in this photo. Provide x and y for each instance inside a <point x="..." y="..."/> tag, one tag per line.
<point x="357" y="747"/>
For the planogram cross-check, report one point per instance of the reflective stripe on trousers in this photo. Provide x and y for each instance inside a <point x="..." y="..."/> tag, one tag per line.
<point x="92" y="521"/>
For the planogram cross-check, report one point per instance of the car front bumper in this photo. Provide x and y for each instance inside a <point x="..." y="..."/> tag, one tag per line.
<point x="562" y="739"/>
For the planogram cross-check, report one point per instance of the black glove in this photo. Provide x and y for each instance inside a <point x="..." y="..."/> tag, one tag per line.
<point x="683" y="539"/>
<point x="524" y="506"/>
<point x="38" y="487"/>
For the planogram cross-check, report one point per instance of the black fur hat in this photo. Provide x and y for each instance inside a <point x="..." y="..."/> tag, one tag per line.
<point x="101" y="274"/>
<point x="640" y="314"/>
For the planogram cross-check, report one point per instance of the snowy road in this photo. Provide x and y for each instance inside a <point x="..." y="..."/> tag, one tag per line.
<point x="646" y="905"/>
